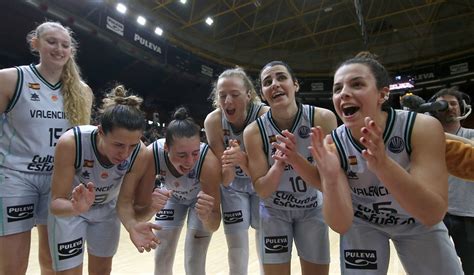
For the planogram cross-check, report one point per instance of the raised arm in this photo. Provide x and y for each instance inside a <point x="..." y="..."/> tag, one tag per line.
<point x="423" y="189"/>
<point x="337" y="206"/>
<point x="327" y="122"/>
<point x="265" y="178"/>
<point x="208" y="206"/>
<point x="214" y="134"/>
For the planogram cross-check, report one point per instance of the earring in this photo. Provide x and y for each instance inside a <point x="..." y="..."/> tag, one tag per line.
<point x="385" y="97"/>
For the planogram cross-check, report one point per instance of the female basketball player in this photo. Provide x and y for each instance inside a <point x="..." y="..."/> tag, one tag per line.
<point x="89" y="166"/>
<point x="237" y="105"/>
<point x="281" y="171"/>
<point x="38" y="103"/>
<point x="192" y="173"/>
<point x="386" y="180"/>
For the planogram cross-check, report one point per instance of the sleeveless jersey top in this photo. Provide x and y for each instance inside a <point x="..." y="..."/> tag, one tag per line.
<point x="293" y="192"/>
<point x="32" y="123"/>
<point x="107" y="178"/>
<point x="185" y="187"/>
<point x="371" y="200"/>
<point x="242" y="181"/>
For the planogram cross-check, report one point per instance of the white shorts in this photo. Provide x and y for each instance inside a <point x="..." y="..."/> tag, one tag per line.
<point x="23" y="200"/>
<point x="278" y="228"/>
<point x="239" y="210"/>
<point x="174" y="214"/>
<point x="422" y="250"/>
<point x="99" y="227"/>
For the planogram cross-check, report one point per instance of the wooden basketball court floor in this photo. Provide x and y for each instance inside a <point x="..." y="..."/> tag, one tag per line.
<point x="129" y="261"/>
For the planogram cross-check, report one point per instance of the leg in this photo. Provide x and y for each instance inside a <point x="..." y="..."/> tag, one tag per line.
<point x="238" y="253"/>
<point x="309" y="268"/>
<point x="196" y="245"/>
<point x="14" y="253"/>
<point x="44" y="254"/>
<point x="277" y="269"/>
<point x="99" y="265"/>
<point x="425" y="250"/>
<point x="73" y="271"/>
<point x="236" y="216"/>
<point x="313" y="260"/>
<point x="259" y="252"/>
<point x="165" y="252"/>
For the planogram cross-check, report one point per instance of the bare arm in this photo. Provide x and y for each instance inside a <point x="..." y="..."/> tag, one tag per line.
<point x="265" y="179"/>
<point x="214" y="134"/>
<point x="327" y="122"/>
<point x="8" y="82"/>
<point x="423" y="189"/>
<point x="66" y="201"/>
<point x="208" y="206"/>
<point x="135" y="204"/>
<point x="337" y="206"/>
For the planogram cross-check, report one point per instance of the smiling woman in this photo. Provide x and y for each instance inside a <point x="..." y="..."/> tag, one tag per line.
<point x="37" y="103"/>
<point x="90" y="165"/>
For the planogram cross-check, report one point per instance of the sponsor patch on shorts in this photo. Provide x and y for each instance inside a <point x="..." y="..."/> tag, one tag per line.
<point x="360" y="259"/>
<point x="70" y="249"/>
<point x="276" y="244"/>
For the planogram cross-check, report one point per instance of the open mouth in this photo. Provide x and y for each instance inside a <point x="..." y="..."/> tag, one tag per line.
<point x="350" y="110"/>
<point x="230" y="111"/>
<point x="278" y="94"/>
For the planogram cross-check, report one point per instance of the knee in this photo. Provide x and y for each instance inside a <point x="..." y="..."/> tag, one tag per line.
<point x="103" y="270"/>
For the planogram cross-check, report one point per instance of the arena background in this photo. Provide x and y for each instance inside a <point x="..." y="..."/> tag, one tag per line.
<point x="428" y="42"/>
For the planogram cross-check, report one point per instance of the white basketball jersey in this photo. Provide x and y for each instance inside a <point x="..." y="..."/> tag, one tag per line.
<point x="371" y="200"/>
<point x="293" y="192"/>
<point x="185" y="187"/>
<point x="241" y="181"/>
<point x="107" y="178"/>
<point x="32" y="123"/>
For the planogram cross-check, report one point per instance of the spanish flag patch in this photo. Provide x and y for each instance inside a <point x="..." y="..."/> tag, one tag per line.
<point x="34" y="86"/>
<point x="352" y="160"/>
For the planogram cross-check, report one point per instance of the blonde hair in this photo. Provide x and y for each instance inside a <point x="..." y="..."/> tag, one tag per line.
<point x="77" y="106"/>
<point x="235" y="72"/>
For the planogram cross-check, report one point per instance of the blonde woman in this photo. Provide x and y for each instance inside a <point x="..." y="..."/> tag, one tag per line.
<point x="38" y="103"/>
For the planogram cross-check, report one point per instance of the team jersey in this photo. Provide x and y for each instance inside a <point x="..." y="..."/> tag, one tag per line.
<point x="107" y="178"/>
<point x="32" y="123"/>
<point x="293" y="192"/>
<point x="241" y="181"/>
<point x="185" y="187"/>
<point x="371" y="200"/>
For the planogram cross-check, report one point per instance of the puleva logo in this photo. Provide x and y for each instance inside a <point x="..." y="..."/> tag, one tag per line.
<point x="165" y="215"/>
<point x="276" y="244"/>
<point x="70" y="249"/>
<point x="360" y="259"/>
<point x="20" y="212"/>
<point x="233" y="217"/>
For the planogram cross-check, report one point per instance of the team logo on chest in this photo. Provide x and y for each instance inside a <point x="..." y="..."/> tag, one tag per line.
<point x="304" y="131"/>
<point x="396" y="144"/>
